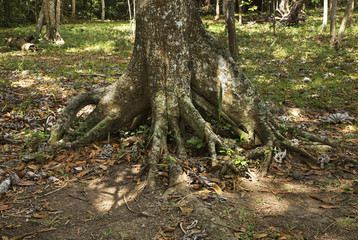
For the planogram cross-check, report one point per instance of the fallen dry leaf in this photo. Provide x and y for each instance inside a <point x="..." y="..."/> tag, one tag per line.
<point x="328" y="206"/>
<point x="33" y="167"/>
<point x="217" y="189"/>
<point x="40" y="215"/>
<point x="81" y="174"/>
<point x="90" y="212"/>
<point x="258" y="236"/>
<point x="5" y="207"/>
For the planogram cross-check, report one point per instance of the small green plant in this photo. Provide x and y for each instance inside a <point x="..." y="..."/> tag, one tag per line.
<point x="348" y="222"/>
<point x="244" y="216"/>
<point x="197" y="142"/>
<point x="107" y="234"/>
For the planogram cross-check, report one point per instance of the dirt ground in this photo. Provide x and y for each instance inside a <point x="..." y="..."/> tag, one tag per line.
<point x="301" y="204"/>
<point x="97" y="192"/>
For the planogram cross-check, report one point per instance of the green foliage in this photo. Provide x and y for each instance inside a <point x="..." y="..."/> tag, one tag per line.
<point x="197" y="142"/>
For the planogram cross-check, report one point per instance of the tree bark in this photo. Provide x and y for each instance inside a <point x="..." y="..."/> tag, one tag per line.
<point x="351" y="16"/>
<point x="177" y="71"/>
<point x="217" y="8"/>
<point x="51" y="10"/>
<point x="103" y="10"/>
<point x="333" y="27"/>
<point x="240" y="11"/>
<point x="292" y="17"/>
<point x="325" y="16"/>
<point x="175" y="65"/>
<point x="73" y="15"/>
<point x="230" y="23"/>
<point x="40" y="23"/>
<point x="347" y="12"/>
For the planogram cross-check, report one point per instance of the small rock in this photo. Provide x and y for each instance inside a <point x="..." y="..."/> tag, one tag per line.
<point x="53" y="179"/>
<point x="322" y="88"/>
<point x="307" y="80"/>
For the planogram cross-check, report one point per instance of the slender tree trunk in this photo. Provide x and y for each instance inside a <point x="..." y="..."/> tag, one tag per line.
<point x="40" y="23"/>
<point x="351" y="16"/>
<point x="73" y="15"/>
<point x="103" y="10"/>
<point x="347" y="12"/>
<point x="274" y="17"/>
<point x="230" y="23"/>
<point x="224" y="10"/>
<point x="325" y="16"/>
<point x="217" y="16"/>
<point x="240" y="11"/>
<point x="132" y="18"/>
<point x="333" y="27"/>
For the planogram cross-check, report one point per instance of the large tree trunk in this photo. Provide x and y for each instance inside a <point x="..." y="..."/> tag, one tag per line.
<point x="50" y="14"/>
<point x="178" y="71"/>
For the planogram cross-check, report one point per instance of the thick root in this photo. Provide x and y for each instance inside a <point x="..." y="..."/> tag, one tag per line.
<point x="70" y="112"/>
<point x="201" y="127"/>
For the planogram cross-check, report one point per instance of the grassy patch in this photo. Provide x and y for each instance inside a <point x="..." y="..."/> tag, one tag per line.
<point x="297" y="68"/>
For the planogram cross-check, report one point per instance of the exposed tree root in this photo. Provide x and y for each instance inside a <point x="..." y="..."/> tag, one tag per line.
<point x="174" y="83"/>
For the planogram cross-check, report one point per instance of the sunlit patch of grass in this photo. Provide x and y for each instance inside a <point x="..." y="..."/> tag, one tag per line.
<point x="277" y="65"/>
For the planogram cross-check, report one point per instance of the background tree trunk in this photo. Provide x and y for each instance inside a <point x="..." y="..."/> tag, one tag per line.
<point x="73" y="14"/>
<point x="333" y="27"/>
<point x="347" y="12"/>
<point x="217" y="8"/>
<point x="40" y="23"/>
<point x="52" y="15"/>
<point x="325" y="16"/>
<point x="351" y="16"/>
<point x="230" y="23"/>
<point x="239" y="3"/>
<point x="103" y="10"/>
<point x="292" y="17"/>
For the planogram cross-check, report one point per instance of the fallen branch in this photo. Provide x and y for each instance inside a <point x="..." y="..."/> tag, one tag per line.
<point x="33" y="233"/>
<point x="22" y="43"/>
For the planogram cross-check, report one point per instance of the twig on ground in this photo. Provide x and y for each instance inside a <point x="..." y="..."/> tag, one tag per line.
<point x="56" y="190"/>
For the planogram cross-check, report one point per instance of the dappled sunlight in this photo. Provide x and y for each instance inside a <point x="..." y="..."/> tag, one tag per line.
<point x="112" y="193"/>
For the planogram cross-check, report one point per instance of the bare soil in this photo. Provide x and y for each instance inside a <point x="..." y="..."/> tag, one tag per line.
<point x="305" y="204"/>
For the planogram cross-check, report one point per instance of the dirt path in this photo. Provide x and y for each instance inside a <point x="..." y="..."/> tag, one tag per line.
<point x="115" y="206"/>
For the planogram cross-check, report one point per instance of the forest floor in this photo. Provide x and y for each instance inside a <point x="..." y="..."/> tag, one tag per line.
<point x="96" y="192"/>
